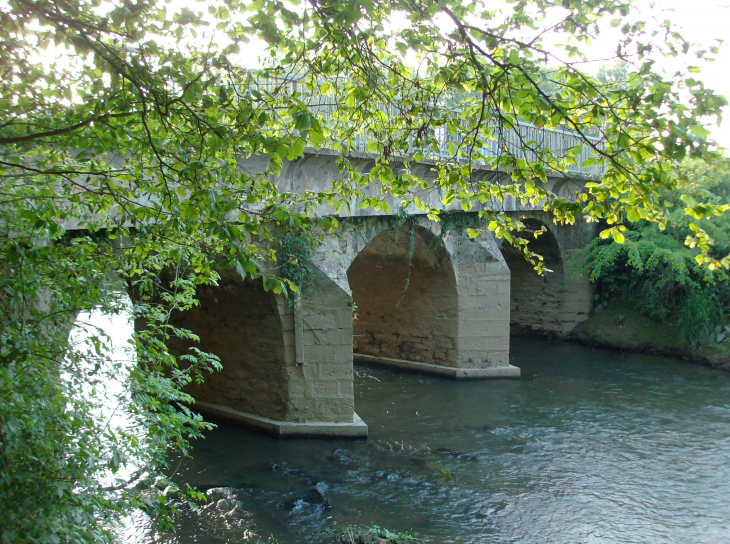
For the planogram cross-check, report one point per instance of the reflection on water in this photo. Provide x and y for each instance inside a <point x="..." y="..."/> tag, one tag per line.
<point x="589" y="446"/>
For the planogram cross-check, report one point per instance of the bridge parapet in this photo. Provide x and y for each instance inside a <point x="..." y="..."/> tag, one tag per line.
<point x="523" y="140"/>
<point x="317" y="172"/>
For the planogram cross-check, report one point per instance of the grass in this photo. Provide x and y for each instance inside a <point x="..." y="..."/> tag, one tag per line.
<point x="444" y="473"/>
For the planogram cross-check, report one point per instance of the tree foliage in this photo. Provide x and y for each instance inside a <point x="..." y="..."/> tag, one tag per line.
<point x="123" y="125"/>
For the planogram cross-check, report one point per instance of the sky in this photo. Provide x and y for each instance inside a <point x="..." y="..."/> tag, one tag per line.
<point x="699" y="21"/>
<point x="702" y="21"/>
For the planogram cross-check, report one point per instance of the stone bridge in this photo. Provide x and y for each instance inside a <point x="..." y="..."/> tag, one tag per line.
<point x="386" y="291"/>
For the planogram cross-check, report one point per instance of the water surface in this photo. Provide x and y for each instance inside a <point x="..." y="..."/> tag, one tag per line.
<point x="588" y="446"/>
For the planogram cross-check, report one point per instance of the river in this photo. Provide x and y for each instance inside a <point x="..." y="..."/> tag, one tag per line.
<point x="588" y="446"/>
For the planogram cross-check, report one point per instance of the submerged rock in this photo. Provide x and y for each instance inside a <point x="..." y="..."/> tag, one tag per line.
<point x="299" y="505"/>
<point x="321" y="488"/>
<point x="215" y="494"/>
<point x="225" y="504"/>
<point x="343" y="456"/>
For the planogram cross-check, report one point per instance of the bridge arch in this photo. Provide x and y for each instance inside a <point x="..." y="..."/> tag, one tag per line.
<point x="553" y="304"/>
<point x="286" y="364"/>
<point x="404" y="288"/>
<point x="536" y="302"/>
<point x="463" y="284"/>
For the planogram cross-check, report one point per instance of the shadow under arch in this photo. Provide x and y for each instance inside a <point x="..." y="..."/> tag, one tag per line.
<point x="242" y="324"/>
<point x="404" y="288"/>
<point x="536" y="302"/>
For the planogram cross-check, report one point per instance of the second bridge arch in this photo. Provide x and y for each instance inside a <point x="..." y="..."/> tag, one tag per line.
<point x="404" y="289"/>
<point x="426" y="300"/>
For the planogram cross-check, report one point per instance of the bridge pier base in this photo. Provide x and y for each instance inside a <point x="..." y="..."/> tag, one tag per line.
<point x="357" y="428"/>
<point x="456" y="373"/>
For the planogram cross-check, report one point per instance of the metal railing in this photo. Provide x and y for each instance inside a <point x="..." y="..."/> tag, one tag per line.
<point x="523" y="141"/>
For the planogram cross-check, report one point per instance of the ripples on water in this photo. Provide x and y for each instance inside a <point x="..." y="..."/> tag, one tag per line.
<point x="589" y="446"/>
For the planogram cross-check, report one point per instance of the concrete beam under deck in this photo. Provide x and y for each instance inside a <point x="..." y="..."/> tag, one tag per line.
<point x="449" y="372"/>
<point x="355" y="429"/>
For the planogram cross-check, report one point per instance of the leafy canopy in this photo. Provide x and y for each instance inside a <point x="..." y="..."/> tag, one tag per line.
<point x="121" y="133"/>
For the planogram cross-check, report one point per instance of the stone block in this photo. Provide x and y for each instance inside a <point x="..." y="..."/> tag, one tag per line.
<point x="497" y="329"/>
<point x="476" y="343"/>
<point x="344" y="319"/>
<point x="503" y="288"/>
<point x="476" y="302"/>
<point x="496" y="268"/>
<point x="343" y="352"/>
<point x="318" y="353"/>
<point x="296" y="390"/>
<point x="287" y="323"/>
<point x="320" y="321"/>
<point x="495" y="343"/>
<point x="289" y="338"/>
<point x="312" y="338"/>
<point x="345" y="387"/>
<point x="324" y="388"/>
<point x="339" y="409"/>
<point x="334" y="370"/>
<point x="289" y="353"/>
<point x="498" y="357"/>
<point x="471" y="315"/>
<point x="499" y="312"/>
<point x="472" y="327"/>
<point x="472" y="358"/>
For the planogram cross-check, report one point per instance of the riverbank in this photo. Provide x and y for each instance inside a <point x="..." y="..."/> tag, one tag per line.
<point x="624" y="328"/>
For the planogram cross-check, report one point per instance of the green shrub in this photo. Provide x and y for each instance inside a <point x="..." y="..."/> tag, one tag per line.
<point x="655" y="268"/>
<point x="294" y="258"/>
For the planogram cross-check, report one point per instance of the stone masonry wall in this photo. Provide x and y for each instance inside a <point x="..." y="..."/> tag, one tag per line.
<point x="281" y="360"/>
<point x="240" y="323"/>
<point x="480" y="280"/>
<point x="483" y="284"/>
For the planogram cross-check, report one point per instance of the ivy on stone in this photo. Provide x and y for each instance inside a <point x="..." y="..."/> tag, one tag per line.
<point x="294" y="259"/>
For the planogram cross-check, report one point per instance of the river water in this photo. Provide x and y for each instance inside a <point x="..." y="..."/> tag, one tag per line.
<point x="588" y="446"/>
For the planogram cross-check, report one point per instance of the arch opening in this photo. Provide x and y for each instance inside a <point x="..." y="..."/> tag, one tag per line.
<point x="404" y="288"/>
<point x="536" y="302"/>
<point x="240" y="323"/>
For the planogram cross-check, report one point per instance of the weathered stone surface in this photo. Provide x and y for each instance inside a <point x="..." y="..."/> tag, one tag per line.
<point x="257" y="336"/>
<point x="404" y="287"/>
<point x="241" y="324"/>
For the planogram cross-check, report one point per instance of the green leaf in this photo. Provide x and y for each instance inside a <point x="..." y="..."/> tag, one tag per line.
<point x="700" y="131"/>
<point x="623" y="141"/>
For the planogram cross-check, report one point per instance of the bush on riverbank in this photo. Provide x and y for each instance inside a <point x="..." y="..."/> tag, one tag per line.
<point x="658" y="273"/>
